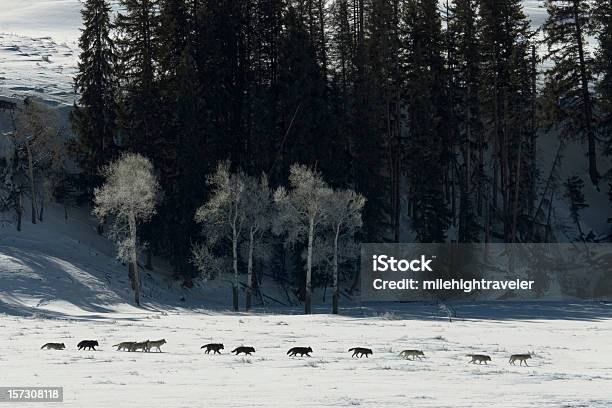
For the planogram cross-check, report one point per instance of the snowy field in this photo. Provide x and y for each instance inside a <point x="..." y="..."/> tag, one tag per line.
<point x="572" y="366"/>
<point x="60" y="283"/>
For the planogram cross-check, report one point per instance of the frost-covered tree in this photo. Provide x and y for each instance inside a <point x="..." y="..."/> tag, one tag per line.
<point x="222" y="216"/>
<point x="301" y="214"/>
<point x="344" y="218"/>
<point x="129" y="194"/>
<point x="258" y="213"/>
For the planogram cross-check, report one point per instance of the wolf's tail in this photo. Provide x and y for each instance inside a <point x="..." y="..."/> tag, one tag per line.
<point x="289" y="352"/>
<point x="351" y="349"/>
<point x="44" y="346"/>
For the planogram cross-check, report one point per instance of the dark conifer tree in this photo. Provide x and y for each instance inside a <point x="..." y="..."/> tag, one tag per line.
<point x="569" y="83"/>
<point x="426" y="98"/>
<point x="94" y="118"/>
<point x="178" y="155"/>
<point x="303" y="114"/>
<point x="378" y="114"/>
<point x="506" y="100"/>
<point x="138" y="46"/>
<point x="464" y="78"/>
<point x="604" y="68"/>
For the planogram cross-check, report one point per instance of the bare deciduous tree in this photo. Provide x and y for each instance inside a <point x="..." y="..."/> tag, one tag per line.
<point x="301" y="213"/>
<point x="129" y="194"/>
<point x="344" y="218"/>
<point x="258" y="220"/>
<point x="222" y="216"/>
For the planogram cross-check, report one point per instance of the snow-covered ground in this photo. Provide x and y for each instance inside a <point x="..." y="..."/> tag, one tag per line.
<point x="59" y="282"/>
<point x="39" y="48"/>
<point x="572" y="366"/>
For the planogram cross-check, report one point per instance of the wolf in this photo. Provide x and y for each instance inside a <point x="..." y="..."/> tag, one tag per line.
<point x="522" y="358"/>
<point x="215" y="347"/>
<point x="88" y="344"/>
<point x="54" y="346"/>
<point x="143" y="345"/>
<point x="360" y="351"/>
<point x="299" y="350"/>
<point x="157" y="344"/>
<point x="126" y="345"/>
<point x="478" y="357"/>
<point x="243" y="349"/>
<point x="412" y="353"/>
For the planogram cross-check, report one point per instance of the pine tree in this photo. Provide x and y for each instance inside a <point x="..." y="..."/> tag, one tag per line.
<point x="505" y="43"/>
<point x="303" y="114"/>
<point x="177" y="85"/>
<point x="464" y="76"/>
<point x="377" y="117"/>
<point x="359" y="53"/>
<point x="603" y="15"/>
<point x="568" y="89"/>
<point x="138" y="43"/>
<point x="94" y="119"/>
<point x="425" y="88"/>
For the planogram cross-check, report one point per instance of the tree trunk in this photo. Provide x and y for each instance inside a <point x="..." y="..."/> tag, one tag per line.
<point x="532" y="142"/>
<point x="587" y="104"/>
<point x="235" y="266"/>
<point x="42" y="208"/>
<point x="19" y="210"/>
<point x="131" y="275"/>
<point x="134" y="259"/>
<point x="515" y="204"/>
<point x="308" y="292"/>
<point x="249" y="290"/>
<point x="550" y="207"/>
<point x="149" y="262"/>
<point x="336" y="293"/>
<point x="31" y="174"/>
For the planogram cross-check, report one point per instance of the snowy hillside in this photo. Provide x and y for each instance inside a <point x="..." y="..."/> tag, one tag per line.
<point x="64" y="268"/>
<point x="39" y="48"/>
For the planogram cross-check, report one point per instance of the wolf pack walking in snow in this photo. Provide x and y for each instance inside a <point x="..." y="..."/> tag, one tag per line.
<point x="359" y="352"/>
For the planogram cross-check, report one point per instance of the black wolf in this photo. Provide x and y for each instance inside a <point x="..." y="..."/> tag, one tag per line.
<point x="243" y="349"/>
<point x="360" y="351"/>
<point x="88" y="344"/>
<point x="299" y="350"/>
<point x="215" y="347"/>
